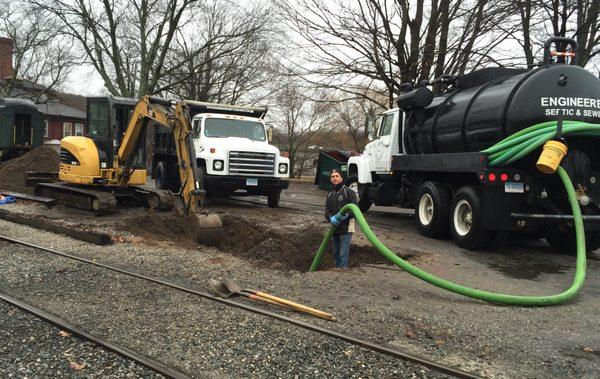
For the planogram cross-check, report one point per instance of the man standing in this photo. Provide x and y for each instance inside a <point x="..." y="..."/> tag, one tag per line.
<point x="336" y="200"/>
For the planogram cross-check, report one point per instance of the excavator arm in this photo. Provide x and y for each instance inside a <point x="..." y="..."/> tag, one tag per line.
<point x="191" y="188"/>
<point x="175" y="116"/>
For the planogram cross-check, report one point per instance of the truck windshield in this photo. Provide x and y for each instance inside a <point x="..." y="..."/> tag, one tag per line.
<point x="221" y="127"/>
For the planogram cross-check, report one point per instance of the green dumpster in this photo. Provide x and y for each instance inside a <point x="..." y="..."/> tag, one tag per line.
<point x="331" y="160"/>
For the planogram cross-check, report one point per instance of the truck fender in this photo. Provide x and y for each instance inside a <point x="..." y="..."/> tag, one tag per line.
<point x="358" y="166"/>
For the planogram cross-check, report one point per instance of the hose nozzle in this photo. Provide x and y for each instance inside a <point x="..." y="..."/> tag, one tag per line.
<point x="553" y="153"/>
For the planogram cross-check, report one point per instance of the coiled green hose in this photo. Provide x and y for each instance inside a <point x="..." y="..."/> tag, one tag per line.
<point x="504" y="152"/>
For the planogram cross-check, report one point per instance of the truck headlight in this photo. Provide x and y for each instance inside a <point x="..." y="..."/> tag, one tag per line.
<point x="218" y="165"/>
<point x="283" y="167"/>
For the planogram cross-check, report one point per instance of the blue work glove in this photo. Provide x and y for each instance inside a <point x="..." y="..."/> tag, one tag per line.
<point x="335" y="220"/>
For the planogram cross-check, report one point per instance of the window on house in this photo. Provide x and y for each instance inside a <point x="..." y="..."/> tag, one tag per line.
<point x="78" y="129"/>
<point x="46" y="129"/>
<point x="67" y="129"/>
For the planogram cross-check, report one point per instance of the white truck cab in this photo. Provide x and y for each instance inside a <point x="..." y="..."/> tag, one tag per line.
<point x="233" y="153"/>
<point x="376" y="159"/>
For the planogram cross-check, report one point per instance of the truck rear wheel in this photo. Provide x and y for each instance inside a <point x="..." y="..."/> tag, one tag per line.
<point x="167" y="177"/>
<point x="432" y="209"/>
<point x="466" y="220"/>
<point x="564" y="241"/>
<point x="273" y="198"/>
<point x="498" y="240"/>
<point x="162" y="177"/>
<point x="363" y="200"/>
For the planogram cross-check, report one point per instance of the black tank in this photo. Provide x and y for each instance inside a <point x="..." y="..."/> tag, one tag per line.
<point x="488" y="106"/>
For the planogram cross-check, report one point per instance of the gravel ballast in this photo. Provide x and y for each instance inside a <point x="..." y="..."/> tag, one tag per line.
<point x="197" y="336"/>
<point x="31" y="347"/>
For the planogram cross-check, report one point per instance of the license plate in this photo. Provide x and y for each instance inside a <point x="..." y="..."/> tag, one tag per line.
<point x="514" y="187"/>
<point x="251" y="182"/>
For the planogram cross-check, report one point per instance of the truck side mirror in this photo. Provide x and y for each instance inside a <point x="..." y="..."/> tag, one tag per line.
<point x="370" y="136"/>
<point x="196" y="127"/>
<point x="270" y="134"/>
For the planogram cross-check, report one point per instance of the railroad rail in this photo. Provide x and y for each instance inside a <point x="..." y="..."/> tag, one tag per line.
<point x="74" y="330"/>
<point x="370" y="345"/>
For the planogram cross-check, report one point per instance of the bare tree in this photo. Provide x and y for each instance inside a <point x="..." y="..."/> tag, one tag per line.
<point x="542" y="19"/>
<point x="380" y="44"/>
<point x="42" y="58"/>
<point x="302" y="122"/>
<point x="235" y="44"/>
<point x="127" y="41"/>
<point x="353" y="117"/>
<point x="576" y="19"/>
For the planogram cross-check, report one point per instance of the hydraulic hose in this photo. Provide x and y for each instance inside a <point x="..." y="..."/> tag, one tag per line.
<point x="504" y="152"/>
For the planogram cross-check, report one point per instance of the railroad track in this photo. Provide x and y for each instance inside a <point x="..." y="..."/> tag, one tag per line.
<point x="99" y="341"/>
<point x="169" y="372"/>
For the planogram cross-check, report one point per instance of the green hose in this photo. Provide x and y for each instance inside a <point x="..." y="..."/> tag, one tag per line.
<point x="504" y="152"/>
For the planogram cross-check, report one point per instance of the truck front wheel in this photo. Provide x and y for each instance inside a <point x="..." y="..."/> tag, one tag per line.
<point x="431" y="210"/>
<point x="273" y="198"/>
<point x="466" y="220"/>
<point x="363" y="199"/>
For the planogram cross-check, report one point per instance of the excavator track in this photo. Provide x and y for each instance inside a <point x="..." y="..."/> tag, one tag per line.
<point x="104" y="200"/>
<point x="100" y="202"/>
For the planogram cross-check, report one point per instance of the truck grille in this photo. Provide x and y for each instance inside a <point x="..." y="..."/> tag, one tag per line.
<point x="251" y="163"/>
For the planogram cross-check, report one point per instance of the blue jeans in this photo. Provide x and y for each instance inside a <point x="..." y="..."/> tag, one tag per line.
<point x="341" y="248"/>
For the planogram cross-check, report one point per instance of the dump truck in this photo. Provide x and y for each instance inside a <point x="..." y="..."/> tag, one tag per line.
<point x="427" y="155"/>
<point x="234" y="156"/>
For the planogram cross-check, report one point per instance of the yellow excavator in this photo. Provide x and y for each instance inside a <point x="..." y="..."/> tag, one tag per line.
<point x="107" y="168"/>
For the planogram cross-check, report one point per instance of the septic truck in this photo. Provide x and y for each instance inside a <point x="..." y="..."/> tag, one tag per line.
<point x="427" y="155"/>
<point x="233" y="153"/>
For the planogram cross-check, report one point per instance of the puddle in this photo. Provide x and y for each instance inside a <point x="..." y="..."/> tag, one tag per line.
<point x="527" y="270"/>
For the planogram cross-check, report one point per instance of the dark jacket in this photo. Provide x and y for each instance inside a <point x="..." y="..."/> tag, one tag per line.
<point x="340" y="196"/>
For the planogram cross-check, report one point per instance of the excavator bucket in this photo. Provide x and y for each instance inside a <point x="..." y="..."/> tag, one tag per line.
<point x="205" y="228"/>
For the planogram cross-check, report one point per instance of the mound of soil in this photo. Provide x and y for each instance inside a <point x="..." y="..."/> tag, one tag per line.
<point x="286" y="249"/>
<point x="163" y="226"/>
<point x="12" y="172"/>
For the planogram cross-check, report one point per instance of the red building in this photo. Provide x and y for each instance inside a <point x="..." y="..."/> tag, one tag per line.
<point x="64" y="114"/>
<point x="62" y="121"/>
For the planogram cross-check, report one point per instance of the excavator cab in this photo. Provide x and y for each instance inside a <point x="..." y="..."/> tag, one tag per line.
<point x="107" y="119"/>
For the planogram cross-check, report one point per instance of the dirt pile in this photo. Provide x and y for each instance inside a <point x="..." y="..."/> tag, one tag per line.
<point x="162" y="226"/>
<point x="12" y="172"/>
<point x="282" y="249"/>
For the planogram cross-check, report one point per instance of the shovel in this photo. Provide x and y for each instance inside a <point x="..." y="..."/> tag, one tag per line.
<point x="226" y="288"/>
<point x="220" y="288"/>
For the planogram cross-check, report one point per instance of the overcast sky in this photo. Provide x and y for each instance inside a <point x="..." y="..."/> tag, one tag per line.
<point x="85" y="81"/>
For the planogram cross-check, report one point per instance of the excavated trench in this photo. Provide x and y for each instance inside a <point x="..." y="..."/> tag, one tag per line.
<point x="290" y="248"/>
